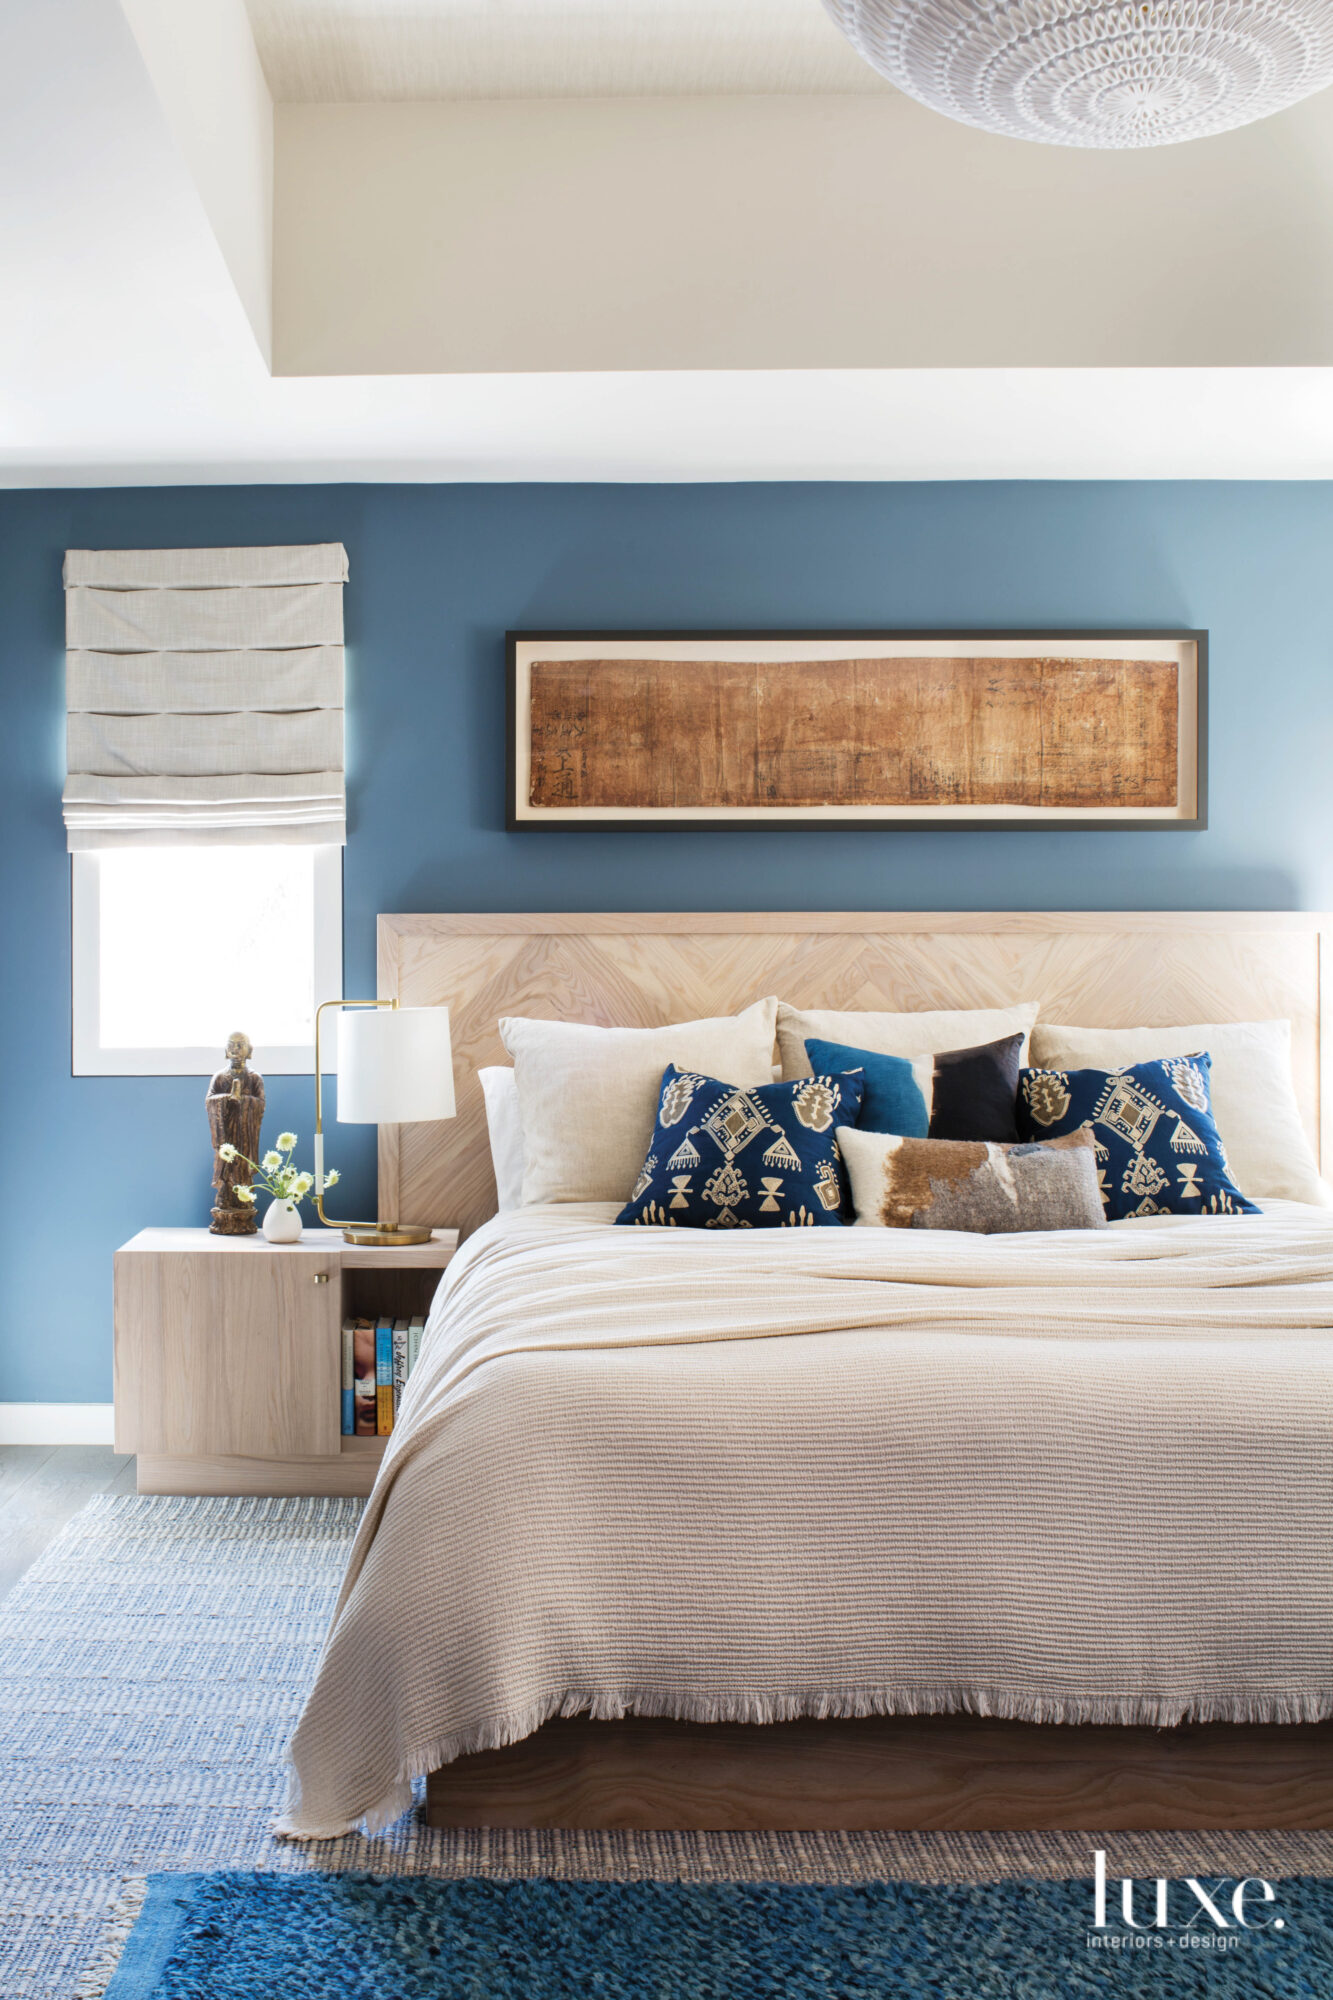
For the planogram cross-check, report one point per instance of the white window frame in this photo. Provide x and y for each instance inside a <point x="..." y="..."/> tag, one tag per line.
<point x="89" y="1058"/>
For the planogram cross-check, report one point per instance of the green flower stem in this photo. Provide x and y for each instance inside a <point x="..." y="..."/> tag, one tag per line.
<point x="282" y="1183"/>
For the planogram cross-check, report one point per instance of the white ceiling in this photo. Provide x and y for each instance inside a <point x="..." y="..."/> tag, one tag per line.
<point x="127" y="354"/>
<point x="351" y="51"/>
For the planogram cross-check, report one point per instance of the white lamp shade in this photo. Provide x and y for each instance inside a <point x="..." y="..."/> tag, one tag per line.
<point x="395" y="1066"/>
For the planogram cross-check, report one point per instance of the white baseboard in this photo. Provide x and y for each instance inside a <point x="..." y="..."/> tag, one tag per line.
<point x="56" y="1423"/>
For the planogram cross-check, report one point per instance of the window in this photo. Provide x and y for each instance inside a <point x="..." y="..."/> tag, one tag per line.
<point x="176" y="947"/>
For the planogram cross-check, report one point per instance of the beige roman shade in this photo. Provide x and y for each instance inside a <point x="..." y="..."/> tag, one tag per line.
<point x="204" y="696"/>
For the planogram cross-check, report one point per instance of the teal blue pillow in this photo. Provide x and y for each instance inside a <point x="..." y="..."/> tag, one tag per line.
<point x="727" y="1157"/>
<point x="898" y="1089"/>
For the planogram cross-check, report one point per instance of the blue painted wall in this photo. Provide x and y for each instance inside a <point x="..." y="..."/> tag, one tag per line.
<point x="437" y="575"/>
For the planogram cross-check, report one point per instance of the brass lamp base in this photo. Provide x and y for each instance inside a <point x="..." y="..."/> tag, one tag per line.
<point x="389" y="1234"/>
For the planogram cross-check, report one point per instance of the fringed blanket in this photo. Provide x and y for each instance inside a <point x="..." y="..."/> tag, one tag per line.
<point x="1072" y="1478"/>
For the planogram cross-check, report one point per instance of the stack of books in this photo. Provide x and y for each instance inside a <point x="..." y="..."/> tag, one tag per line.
<point x="378" y="1357"/>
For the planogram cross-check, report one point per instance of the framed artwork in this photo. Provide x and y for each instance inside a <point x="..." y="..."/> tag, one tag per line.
<point x="978" y="730"/>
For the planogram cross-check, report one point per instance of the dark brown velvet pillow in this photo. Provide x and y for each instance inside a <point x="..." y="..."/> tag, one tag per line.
<point x="976" y="1093"/>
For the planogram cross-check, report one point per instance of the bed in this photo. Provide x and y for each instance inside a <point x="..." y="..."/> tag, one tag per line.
<point x="844" y="1527"/>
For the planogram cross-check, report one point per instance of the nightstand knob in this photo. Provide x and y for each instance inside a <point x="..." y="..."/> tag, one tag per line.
<point x="321" y="1277"/>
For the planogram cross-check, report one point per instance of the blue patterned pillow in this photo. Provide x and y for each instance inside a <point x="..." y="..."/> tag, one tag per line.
<point x="726" y="1157"/>
<point x="1158" y="1149"/>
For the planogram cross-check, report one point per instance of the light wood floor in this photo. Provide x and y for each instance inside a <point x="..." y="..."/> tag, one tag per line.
<point x="41" y="1487"/>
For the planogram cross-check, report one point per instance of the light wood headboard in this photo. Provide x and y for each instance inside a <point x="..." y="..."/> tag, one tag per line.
<point x="1097" y="969"/>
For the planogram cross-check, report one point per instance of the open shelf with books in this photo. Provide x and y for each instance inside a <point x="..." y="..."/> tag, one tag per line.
<point x="384" y="1316"/>
<point x="379" y="1352"/>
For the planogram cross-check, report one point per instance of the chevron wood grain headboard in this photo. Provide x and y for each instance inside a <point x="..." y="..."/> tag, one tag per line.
<point x="1096" y="968"/>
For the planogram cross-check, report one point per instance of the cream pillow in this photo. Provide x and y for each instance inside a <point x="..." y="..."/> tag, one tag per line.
<point x="504" y="1129"/>
<point x="1254" y="1101"/>
<point x="588" y="1096"/>
<point x="898" y="1034"/>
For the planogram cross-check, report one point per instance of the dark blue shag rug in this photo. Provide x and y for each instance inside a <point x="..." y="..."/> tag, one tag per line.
<point x="240" y="1936"/>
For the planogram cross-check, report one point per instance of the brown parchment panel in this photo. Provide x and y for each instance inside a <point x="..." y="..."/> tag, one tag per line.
<point x="877" y="732"/>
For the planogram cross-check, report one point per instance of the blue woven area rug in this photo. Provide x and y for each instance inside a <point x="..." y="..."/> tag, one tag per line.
<point x="246" y="1936"/>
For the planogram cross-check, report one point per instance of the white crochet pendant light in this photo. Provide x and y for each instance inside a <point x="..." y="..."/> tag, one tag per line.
<point x="1135" y="73"/>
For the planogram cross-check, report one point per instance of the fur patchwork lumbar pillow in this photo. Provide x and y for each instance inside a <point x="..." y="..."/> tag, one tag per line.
<point x="973" y="1185"/>
<point x="765" y="1158"/>
<point x="962" y="1094"/>
<point x="1158" y="1150"/>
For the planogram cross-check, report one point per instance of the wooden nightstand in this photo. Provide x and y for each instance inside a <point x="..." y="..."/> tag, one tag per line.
<point x="228" y="1355"/>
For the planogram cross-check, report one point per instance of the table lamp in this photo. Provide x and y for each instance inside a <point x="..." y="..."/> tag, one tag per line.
<point x="395" y="1067"/>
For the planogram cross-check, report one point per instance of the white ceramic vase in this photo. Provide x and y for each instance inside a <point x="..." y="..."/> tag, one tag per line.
<point x="282" y="1222"/>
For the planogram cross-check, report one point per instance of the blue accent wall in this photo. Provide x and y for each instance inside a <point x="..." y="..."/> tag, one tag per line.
<point x="437" y="575"/>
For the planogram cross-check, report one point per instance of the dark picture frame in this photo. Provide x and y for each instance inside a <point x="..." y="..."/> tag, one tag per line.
<point x="571" y="763"/>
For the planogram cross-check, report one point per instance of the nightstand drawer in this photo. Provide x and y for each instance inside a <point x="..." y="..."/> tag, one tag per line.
<point x="222" y="1354"/>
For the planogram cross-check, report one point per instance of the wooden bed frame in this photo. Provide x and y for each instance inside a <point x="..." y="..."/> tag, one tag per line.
<point x="929" y="1772"/>
<point x="1115" y="969"/>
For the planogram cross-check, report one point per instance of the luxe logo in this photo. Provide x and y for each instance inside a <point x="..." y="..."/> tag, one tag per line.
<point x="1148" y="1906"/>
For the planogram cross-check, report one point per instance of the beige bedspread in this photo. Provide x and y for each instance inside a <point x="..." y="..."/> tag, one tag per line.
<point x="1080" y="1477"/>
